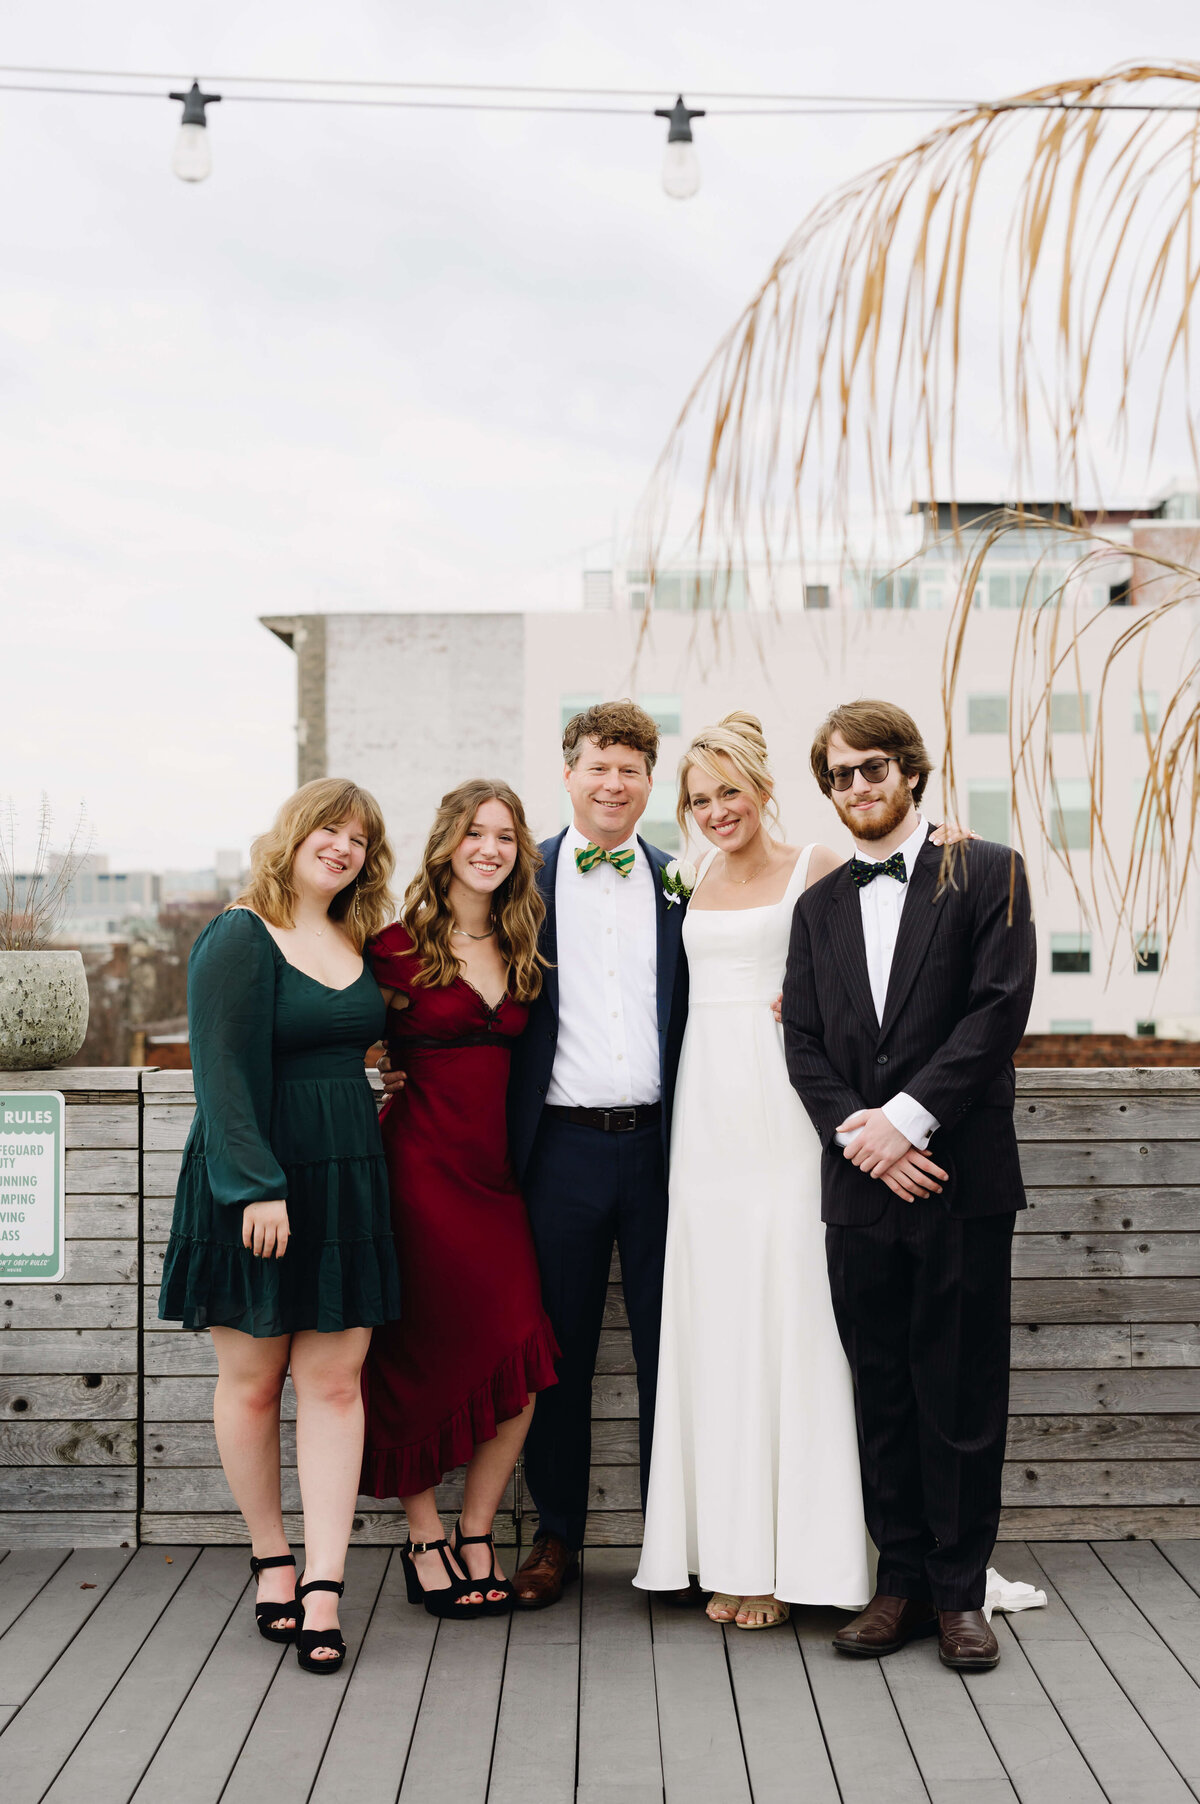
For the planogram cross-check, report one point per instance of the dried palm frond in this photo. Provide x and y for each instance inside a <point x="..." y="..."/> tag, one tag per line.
<point x="844" y="371"/>
<point x="1135" y="886"/>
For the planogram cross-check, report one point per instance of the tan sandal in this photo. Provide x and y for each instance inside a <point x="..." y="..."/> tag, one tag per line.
<point x="772" y="1608"/>
<point x="721" y="1600"/>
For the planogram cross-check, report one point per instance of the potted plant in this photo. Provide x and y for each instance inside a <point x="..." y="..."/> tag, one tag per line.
<point x="43" y="991"/>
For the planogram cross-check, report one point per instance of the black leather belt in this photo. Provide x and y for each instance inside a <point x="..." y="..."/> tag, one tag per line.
<point x="609" y="1121"/>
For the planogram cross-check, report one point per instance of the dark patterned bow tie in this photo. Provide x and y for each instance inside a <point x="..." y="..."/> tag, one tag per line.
<point x="588" y="857"/>
<point x="864" y="870"/>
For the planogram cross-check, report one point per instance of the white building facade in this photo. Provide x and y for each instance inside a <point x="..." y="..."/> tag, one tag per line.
<point x="410" y="704"/>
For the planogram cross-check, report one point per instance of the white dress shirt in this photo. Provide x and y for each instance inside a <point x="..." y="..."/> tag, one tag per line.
<point x="607" y="929"/>
<point x="881" y="902"/>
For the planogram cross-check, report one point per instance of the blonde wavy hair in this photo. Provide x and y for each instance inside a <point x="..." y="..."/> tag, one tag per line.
<point x="518" y="907"/>
<point x="365" y="906"/>
<point x="733" y="752"/>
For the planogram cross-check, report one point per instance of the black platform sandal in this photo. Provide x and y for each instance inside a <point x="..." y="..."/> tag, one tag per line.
<point x="492" y="1606"/>
<point x="267" y="1615"/>
<point x="307" y="1640"/>
<point x="444" y="1602"/>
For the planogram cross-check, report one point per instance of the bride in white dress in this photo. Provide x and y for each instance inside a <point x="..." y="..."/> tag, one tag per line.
<point x="754" y="1481"/>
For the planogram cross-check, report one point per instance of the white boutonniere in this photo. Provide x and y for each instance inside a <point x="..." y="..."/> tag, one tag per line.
<point x="678" y="880"/>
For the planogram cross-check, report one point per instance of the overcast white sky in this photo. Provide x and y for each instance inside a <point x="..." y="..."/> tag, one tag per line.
<point x="379" y="359"/>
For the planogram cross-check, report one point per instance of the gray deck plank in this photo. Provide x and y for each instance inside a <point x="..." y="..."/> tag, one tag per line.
<point x="199" y="1751"/>
<point x="1039" y="1756"/>
<point x="369" y="1745"/>
<point x="862" y="1731"/>
<point x="781" y="1732"/>
<point x="1163" y="1693"/>
<point x="58" y="1714"/>
<point x="1126" y="1759"/>
<point x="451" y="1753"/>
<point x="949" y="1743"/>
<point x="22" y="1576"/>
<point x="1164" y="1598"/>
<point x="108" y="1762"/>
<point x="54" y="1617"/>
<point x="534" y="1757"/>
<point x="1185" y="1557"/>
<point x="619" y="1752"/>
<point x="698" y="1728"/>
<point x="283" y="1751"/>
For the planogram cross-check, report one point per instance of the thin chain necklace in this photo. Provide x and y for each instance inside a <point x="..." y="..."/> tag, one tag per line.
<point x="474" y="936"/>
<point x="750" y="879"/>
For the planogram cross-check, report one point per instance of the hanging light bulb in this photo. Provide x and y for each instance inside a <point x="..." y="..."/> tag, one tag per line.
<point x="681" y="165"/>
<point x="192" y="161"/>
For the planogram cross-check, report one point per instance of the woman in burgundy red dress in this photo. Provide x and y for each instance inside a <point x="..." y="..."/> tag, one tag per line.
<point x="453" y="1381"/>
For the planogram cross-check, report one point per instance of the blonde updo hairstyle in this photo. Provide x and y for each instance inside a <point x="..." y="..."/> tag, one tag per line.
<point x="734" y="752"/>
<point x="365" y="906"/>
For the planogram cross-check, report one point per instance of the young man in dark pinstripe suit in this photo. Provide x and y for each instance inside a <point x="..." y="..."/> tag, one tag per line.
<point x="904" y="1001"/>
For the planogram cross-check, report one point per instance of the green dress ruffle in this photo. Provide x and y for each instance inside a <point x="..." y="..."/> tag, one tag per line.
<point x="284" y="1110"/>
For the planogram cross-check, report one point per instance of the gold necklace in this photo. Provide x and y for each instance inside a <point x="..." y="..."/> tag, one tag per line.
<point x="750" y="879"/>
<point x="474" y="936"/>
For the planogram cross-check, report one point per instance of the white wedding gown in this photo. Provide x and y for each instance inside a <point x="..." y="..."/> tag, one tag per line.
<point x="754" y="1476"/>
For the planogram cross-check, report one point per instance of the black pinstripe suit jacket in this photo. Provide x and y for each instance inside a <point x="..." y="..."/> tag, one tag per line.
<point x="958" y="999"/>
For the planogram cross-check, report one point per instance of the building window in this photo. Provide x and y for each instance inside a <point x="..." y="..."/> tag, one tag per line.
<point x="987" y="714"/>
<point x="571" y="705"/>
<point x="816" y="595"/>
<point x="597" y="589"/>
<point x="666" y="711"/>
<point x="897" y="589"/>
<point x="1070" y="1025"/>
<point x="1146" y="1030"/>
<point x="1070" y="815"/>
<point x="933" y="596"/>
<point x="638" y="583"/>
<point x="1071" y="952"/>
<point x="658" y="824"/>
<point x="1145" y="712"/>
<point x="1120" y="595"/>
<point x="1070" y="712"/>
<point x="987" y="808"/>
<point x="1146" y="954"/>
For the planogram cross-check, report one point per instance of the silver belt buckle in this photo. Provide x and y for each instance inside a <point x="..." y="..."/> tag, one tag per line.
<point x="620" y="1121"/>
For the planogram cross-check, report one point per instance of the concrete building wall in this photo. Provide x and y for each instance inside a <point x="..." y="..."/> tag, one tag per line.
<point x="415" y="703"/>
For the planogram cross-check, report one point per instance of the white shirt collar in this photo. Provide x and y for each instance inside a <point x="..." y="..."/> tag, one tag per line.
<point x="908" y="850"/>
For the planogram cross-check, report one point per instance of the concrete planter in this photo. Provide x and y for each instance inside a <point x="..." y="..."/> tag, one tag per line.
<point x="43" y="1009"/>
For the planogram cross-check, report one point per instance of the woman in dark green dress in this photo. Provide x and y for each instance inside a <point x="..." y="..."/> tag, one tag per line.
<point x="281" y="1241"/>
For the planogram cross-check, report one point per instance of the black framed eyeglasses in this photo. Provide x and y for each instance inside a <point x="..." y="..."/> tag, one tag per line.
<point x="874" y="770"/>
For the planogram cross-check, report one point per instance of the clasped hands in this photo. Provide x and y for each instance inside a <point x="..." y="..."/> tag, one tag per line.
<point x="881" y="1151"/>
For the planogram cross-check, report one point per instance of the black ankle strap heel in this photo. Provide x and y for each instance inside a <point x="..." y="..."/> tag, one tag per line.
<point x="492" y="1606"/>
<point x="308" y="1640"/>
<point x="443" y="1602"/>
<point x="267" y="1615"/>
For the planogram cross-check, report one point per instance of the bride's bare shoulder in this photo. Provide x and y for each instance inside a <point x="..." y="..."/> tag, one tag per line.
<point x="822" y="863"/>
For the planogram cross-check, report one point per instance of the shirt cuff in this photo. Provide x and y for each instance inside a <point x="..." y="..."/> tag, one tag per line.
<point x="908" y="1117"/>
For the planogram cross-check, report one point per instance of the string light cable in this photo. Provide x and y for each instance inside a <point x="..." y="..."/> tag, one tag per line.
<point x="192" y="160"/>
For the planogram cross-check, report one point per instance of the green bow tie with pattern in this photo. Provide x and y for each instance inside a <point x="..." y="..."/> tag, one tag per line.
<point x="588" y="857"/>
<point x="865" y="870"/>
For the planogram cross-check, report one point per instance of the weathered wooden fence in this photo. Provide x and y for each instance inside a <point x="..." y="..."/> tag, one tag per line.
<point x="1104" y="1435"/>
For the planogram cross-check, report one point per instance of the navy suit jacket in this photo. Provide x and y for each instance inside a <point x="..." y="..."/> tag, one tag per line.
<point x="957" y="1002"/>
<point x="533" y="1053"/>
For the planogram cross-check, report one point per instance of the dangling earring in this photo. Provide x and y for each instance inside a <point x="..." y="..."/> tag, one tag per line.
<point x="354" y="908"/>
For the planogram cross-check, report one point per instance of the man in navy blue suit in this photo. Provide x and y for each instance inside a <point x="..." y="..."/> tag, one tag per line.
<point x="590" y="1108"/>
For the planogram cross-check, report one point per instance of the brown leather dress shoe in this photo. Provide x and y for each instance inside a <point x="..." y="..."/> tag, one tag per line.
<point x="966" y="1642"/>
<point x="885" y="1626"/>
<point x="541" y="1578"/>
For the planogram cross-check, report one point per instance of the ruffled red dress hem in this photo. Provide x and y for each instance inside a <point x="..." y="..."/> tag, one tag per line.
<point x="405" y="1471"/>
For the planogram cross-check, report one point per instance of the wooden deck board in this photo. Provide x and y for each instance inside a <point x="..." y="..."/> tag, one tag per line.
<point x="153" y="1683"/>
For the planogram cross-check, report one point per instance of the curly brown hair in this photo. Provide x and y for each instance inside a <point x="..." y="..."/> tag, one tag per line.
<point x="519" y="910"/>
<point x="871" y="725"/>
<point x="365" y="906"/>
<point x="612" y="723"/>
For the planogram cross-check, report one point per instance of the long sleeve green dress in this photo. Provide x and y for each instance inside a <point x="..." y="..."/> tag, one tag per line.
<point x="284" y="1110"/>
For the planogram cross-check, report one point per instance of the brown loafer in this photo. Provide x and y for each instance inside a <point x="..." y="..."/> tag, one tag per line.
<point x="541" y="1578"/>
<point x="966" y="1641"/>
<point x="885" y="1626"/>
